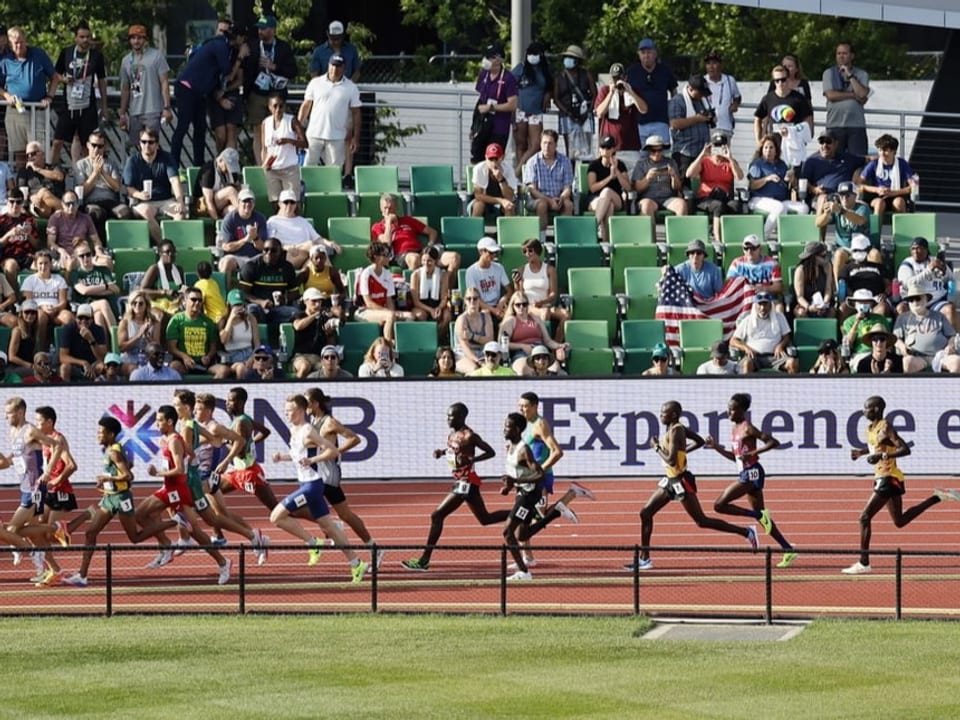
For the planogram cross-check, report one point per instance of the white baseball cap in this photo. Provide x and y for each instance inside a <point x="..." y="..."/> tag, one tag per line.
<point x="492" y="347"/>
<point x="488" y="244"/>
<point x="335" y="28"/>
<point x="287" y="196"/>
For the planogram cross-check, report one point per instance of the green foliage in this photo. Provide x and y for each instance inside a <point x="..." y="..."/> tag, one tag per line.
<point x="391" y="134"/>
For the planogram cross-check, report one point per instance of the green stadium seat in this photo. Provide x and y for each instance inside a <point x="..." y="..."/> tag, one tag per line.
<point x="590" y="352"/>
<point x="641" y="290"/>
<point x="797" y="229"/>
<point x="907" y="226"/>
<point x="184" y="233"/>
<point x="517" y="230"/>
<point x="416" y="347"/>
<point x="371" y="182"/>
<point x="434" y="195"/>
<point x="624" y="257"/>
<point x="638" y="338"/>
<point x="808" y="333"/>
<point x="681" y="229"/>
<point x="356" y="337"/>
<point x="696" y="337"/>
<point x="321" y="179"/>
<point x="734" y="228"/>
<point x="128" y="234"/>
<point x="320" y="207"/>
<point x="632" y="230"/>
<point x="255" y="178"/>
<point x="349" y="230"/>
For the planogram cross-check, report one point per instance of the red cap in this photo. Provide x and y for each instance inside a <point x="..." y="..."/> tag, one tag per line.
<point x="494" y="151"/>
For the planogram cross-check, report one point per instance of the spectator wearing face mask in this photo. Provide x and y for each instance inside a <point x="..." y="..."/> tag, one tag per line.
<point x="865" y="271"/>
<point x="574" y="94"/>
<point x="534" y="90"/>
<point x="925" y="338"/>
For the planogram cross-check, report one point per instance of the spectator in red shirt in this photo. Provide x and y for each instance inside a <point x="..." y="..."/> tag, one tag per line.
<point x="400" y="233"/>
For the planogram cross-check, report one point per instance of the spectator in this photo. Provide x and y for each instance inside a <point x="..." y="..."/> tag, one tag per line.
<point x="538" y="281"/>
<point x="662" y="362"/>
<point x="933" y="272"/>
<point x="25" y="342"/>
<point x="540" y="363"/>
<point x="761" y="271"/>
<point x="847" y="89"/>
<point x="163" y="282"/>
<point x="82" y="347"/>
<point x="380" y="360"/>
<point x="154" y="369"/>
<point x="491" y="366"/>
<point x="608" y="183"/>
<point x="574" y="94"/>
<point x="24" y="76"/>
<point x="79" y="66"/>
<point x="111" y="370"/>
<point x="8" y="301"/>
<point x="534" y="91"/>
<point x="795" y="79"/>
<point x="98" y="184"/>
<point x="6" y="174"/>
<point x="854" y="329"/>
<point x="763" y="338"/>
<point x="489" y="277"/>
<point x="216" y="192"/>
<point x="144" y="86"/>
<point x="225" y="118"/>
<point x="96" y="286"/>
<point x="312" y="330"/>
<point x="719" y="362"/>
<point x="882" y="359"/>
<point x="19" y="239"/>
<point x="192" y="341"/>
<point x="813" y="283"/>
<point x="692" y="122"/>
<point x="701" y="275"/>
<point x="430" y="291"/>
<point x="657" y="181"/>
<point x="717" y="170"/>
<point x="7" y="377"/>
<point x="548" y="177"/>
<point x="889" y="179"/>
<point x="214" y="304"/>
<point x="267" y="71"/>
<point x="787" y="113"/>
<point x="444" y="364"/>
<point x="281" y="137"/>
<point x="331" y="114"/>
<point x="725" y="95"/>
<point x="925" y="337"/>
<point x="494" y="185"/>
<point x="44" y="182"/>
<point x="294" y="231"/>
<point x="336" y="44"/>
<point x="42" y="373"/>
<point x="68" y="230"/>
<point x="330" y="366"/>
<point x="654" y="82"/>
<point x="320" y="274"/>
<point x="269" y="285"/>
<point x="401" y="233"/>
<point x="618" y="108"/>
<point x="497" y="88"/>
<point x="828" y="169"/>
<point x="137" y="329"/>
<point x="770" y="182"/>
<point x="262" y="366"/>
<point x="848" y="216"/>
<point x="51" y="293"/>
<point x="524" y="332"/>
<point x="866" y="272"/>
<point x="152" y="179"/>
<point x="241" y="233"/>
<point x="473" y="329"/>
<point x="239" y="334"/>
<point x="829" y="360"/>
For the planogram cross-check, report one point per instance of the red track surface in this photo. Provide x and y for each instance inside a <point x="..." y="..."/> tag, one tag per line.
<point x="579" y="566"/>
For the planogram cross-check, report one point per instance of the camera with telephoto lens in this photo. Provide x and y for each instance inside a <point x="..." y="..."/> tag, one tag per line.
<point x="942" y="256"/>
<point x="620" y="85"/>
<point x="711" y="114"/>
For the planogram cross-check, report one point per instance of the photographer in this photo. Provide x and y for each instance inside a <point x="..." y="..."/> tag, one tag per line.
<point x="848" y="216"/>
<point x="717" y="170"/>
<point x="269" y="67"/>
<point x="691" y="120"/>
<point x="618" y="107"/>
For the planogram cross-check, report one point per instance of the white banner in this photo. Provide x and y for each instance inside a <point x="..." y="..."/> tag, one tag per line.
<point x="604" y="426"/>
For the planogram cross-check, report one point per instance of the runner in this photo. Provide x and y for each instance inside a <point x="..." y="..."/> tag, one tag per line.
<point x="524" y="474"/>
<point x="678" y="484"/>
<point x="883" y="448"/>
<point x="314" y="459"/>
<point x="332" y="430"/>
<point x="58" y="466"/>
<point x="461" y="454"/>
<point x="752" y="476"/>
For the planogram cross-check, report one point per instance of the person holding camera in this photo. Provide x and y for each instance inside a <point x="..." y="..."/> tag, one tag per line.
<point x="239" y="334"/>
<point x="854" y="330"/>
<point x="618" y="108"/>
<point x="692" y="118"/>
<point x="657" y="181"/>
<point x="934" y="271"/>
<point x="726" y="94"/>
<point x="847" y="89"/>
<point x="763" y="338"/>
<point x="717" y="169"/>
<point x="269" y="67"/>
<point x="848" y="216"/>
<point x="380" y="361"/>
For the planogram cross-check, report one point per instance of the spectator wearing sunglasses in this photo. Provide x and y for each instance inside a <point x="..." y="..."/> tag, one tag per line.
<point x="82" y="347"/>
<point x="100" y="180"/>
<point x="152" y="179"/>
<point x="785" y="112"/>
<point x="67" y="228"/>
<point x="241" y="233"/>
<point x="42" y="372"/>
<point x="661" y="362"/>
<point x="827" y="169"/>
<point x="262" y="365"/>
<point x="193" y="340"/>
<point x="329" y="366"/>
<point x="19" y="239"/>
<point x="44" y="182"/>
<point x="95" y="285"/>
<point x="269" y="285"/>
<point x="294" y="231"/>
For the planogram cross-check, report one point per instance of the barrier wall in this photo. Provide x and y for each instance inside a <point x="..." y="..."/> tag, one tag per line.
<point x="604" y="426"/>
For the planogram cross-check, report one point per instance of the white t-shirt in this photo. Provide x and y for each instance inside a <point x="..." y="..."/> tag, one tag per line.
<point x="291" y="230"/>
<point x="331" y="107"/>
<point x="489" y="281"/>
<point x="46" y="293"/>
<point x="762" y="335"/>
<point x="481" y="175"/>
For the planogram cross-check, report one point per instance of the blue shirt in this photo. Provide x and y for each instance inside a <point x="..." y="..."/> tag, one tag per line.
<point x="705" y="283"/>
<point x="878" y="174"/>
<point x="550" y="181"/>
<point x="761" y="168"/>
<point x="655" y="88"/>
<point x="148" y="373"/>
<point x="163" y="167"/>
<point x="207" y="66"/>
<point x="27" y="78"/>
<point x="531" y="90"/>
<point x="829" y="173"/>
<point x="323" y="53"/>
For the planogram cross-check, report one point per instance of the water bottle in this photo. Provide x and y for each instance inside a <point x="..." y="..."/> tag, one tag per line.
<point x="52" y="355"/>
<point x="18" y="104"/>
<point x="284" y="353"/>
<point x="914" y="188"/>
<point x="456" y="302"/>
<point x="141" y="356"/>
<point x="504" y="348"/>
<point x="842" y="290"/>
<point x="845" y="348"/>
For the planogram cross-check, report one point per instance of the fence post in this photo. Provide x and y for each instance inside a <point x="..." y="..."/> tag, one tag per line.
<point x="242" y="586"/>
<point x="109" y="580"/>
<point x="374" y="577"/>
<point x="636" y="579"/>
<point x="768" y="584"/>
<point x="898" y="579"/>
<point x="503" y="580"/>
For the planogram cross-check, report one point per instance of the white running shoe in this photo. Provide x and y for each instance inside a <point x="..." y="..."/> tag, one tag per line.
<point x="17" y="557"/>
<point x="76" y="580"/>
<point x="582" y="491"/>
<point x="164" y="557"/>
<point x="857" y="568"/>
<point x="260" y="549"/>
<point x="223" y="576"/>
<point x="520" y="575"/>
<point x="566" y="513"/>
<point x="182" y="546"/>
<point x="378" y="561"/>
<point x="39" y="562"/>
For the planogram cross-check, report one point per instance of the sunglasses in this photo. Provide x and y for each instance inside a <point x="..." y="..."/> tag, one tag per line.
<point x="272" y="249"/>
<point x="748" y="248"/>
<point x="96" y="145"/>
<point x="29" y="312"/>
<point x="521" y="304"/>
<point x="261" y="358"/>
<point x="84" y="318"/>
<point x="195" y="299"/>
<point x="246" y="201"/>
<point x="14" y="201"/>
<point x="779" y="80"/>
<point x="328" y="356"/>
<point x="289" y="202"/>
<point x="492" y="354"/>
<point x="31" y="153"/>
<point x="826" y="142"/>
<point x="659" y="358"/>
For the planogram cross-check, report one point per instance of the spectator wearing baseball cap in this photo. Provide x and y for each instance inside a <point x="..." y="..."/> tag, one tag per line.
<point x="763" y="338"/>
<point x="241" y="233"/>
<point x="718" y="170"/>
<point x="847" y="214"/>
<point x="657" y="180"/>
<point x="934" y="270"/>
<point x="725" y="94"/>
<point x="491" y="367"/>
<point x="826" y="169"/>
<point x="534" y="85"/>
<point x="829" y="361"/>
<point x="763" y="272"/>
<point x="618" y="107"/>
<point x="692" y="119"/>
<point x="293" y="231"/>
<point x="701" y="275"/>
<point x="608" y="182"/>
<point x="83" y="347"/>
<point x="719" y="362"/>
<point x="661" y="360"/>
<point x="262" y="366"/>
<point x="494" y="185"/>
<point x="497" y="88"/>
<point x="316" y="323"/>
<point x="489" y="278"/>
<point x="239" y="334"/>
<point x="336" y="44"/>
<point x="653" y="81"/>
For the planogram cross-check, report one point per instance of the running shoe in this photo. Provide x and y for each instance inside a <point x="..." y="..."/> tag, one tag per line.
<point x="358" y="571"/>
<point x="180" y="519"/>
<point x="51" y="577"/>
<point x="947" y="494"/>
<point x="641" y="565"/>
<point x="182" y="546"/>
<point x="415" y="564"/>
<point x="788" y="558"/>
<point x="566" y="513"/>
<point x="39" y="562"/>
<point x="62" y="533"/>
<point x="223" y="576"/>
<point x="164" y="557"/>
<point x="528" y="561"/>
<point x="75" y="580"/>
<point x="857" y="568"/>
<point x="752" y="537"/>
<point x="766" y="522"/>
<point x="582" y="491"/>
<point x="316" y="550"/>
<point x="218" y="541"/>
<point x="260" y="549"/>
<point x="41" y="573"/>
<point x="17" y="557"/>
<point x="520" y="575"/>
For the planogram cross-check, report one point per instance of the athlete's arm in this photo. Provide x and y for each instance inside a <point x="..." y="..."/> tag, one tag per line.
<point x="697" y="442"/>
<point x="478" y="443"/>
<point x="525" y="457"/>
<point x="769" y="442"/>
<point x="187" y="435"/>
<point x="119" y="460"/>
<point x="545" y="433"/>
<point x="176" y="450"/>
<point x="350" y="438"/>
<point x="677" y="439"/>
<point x="710" y="442"/>
<point x="262" y="431"/>
<point x="902" y="449"/>
<point x="328" y="451"/>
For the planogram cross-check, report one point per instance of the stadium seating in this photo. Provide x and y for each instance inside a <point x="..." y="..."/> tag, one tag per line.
<point x="416" y="346"/>
<point x="797" y="229"/>
<point x="128" y="234"/>
<point x="184" y="233"/>
<point x="325" y="179"/>
<point x="591" y="293"/>
<point x="349" y="230"/>
<point x="577" y="246"/>
<point x="696" y="337"/>
<point x="356" y="337"/>
<point x="641" y="292"/>
<point x="632" y="230"/>
<point x="255" y="178"/>
<point x="517" y="230"/>
<point x="907" y="226"/>
<point x="371" y="182"/>
<point x="434" y="195"/>
<point x="590" y="352"/>
<point x="638" y="338"/>
<point x="733" y="228"/>
<point x="808" y="333"/>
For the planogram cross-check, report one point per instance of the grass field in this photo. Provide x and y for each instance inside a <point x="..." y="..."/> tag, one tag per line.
<point x="467" y="667"/>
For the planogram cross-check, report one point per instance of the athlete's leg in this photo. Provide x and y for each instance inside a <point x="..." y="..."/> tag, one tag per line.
<point x="654" y="505"/>
<point x="447" y="506"/>
<point x="872" y="507"/>
<point x="735" y="491"/>
<point x="480" y="512"/>
<point x="346" y="513"/>
<point x="901" y="518"/>
<point x="691" y="503"/>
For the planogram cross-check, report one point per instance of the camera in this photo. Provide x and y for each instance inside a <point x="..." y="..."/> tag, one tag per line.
<point x="711" y="116"/>
<point x="620" y="85"/>
<point x="834" y="197"/>
<point x="942" y="256"/>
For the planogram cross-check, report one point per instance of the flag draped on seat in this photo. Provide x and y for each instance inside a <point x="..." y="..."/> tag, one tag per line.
<point x="678" y="302"/>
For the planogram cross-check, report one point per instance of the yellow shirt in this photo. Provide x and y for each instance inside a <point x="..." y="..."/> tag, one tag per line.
<point x="878" y="443"/>
<point x="320" y="281"/>
<point x="214" y="306"/>
<point x="680" y="467"/>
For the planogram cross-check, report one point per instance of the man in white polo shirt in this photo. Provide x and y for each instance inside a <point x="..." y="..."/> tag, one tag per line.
<point x="329" y="103"/>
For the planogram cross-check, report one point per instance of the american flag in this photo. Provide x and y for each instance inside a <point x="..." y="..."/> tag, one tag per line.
<point x="678" y="302"/>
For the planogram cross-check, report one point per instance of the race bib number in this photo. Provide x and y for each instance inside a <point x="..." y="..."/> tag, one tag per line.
<point x="108" y="486"/>
<point x="300" y="501"/>
<point x="674" y="487"/>
<point x="752" y="474"/>
<point x="174" y="497"/>
<point x="879" y="484"/>
<point x="62" y="496"/>
<point x="461" y="487"/>
<point x="521" y="513"/>
<point x="201" y="504"/>
<point x="126" y="505"/>
<point x="37" y="497"/>
<point x="249" y="487"/>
